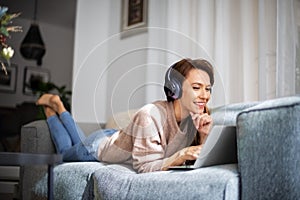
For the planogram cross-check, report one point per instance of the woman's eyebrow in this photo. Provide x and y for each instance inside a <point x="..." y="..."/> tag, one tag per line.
<point x="202" y="84"/>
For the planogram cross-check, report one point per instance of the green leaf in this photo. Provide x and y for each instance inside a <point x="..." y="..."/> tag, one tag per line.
<point x="4" y="31"/>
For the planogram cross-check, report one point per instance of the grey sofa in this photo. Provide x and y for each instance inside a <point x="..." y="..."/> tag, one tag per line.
<point x="268" y="141"/>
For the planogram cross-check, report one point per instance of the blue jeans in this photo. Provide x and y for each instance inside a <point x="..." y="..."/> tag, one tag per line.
<point x="71" y="142"/>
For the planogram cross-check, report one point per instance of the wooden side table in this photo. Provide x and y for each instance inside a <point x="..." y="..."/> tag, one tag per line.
<point x="21" y="159"/>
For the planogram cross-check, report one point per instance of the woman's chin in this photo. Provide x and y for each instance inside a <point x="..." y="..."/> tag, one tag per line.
<point x="198" y="111"/>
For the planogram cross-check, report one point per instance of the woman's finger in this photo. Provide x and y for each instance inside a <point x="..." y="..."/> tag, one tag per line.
<point x="200" y="120"/>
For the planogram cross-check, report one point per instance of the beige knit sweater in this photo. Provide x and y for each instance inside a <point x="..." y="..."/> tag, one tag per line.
<point x="152" y="136"/>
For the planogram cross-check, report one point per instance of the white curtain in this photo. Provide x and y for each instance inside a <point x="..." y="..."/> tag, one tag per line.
<point x="252" y="44"/>
<point x="286" y="47"/>
<point x="267" y="49"/>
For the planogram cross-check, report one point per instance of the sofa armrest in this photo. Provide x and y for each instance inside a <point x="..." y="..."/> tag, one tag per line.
<point x="268" y="138"/>
<point x="35" y="138"/>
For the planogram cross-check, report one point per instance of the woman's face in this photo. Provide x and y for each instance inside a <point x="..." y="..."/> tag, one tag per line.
<point x="196" y="91"/>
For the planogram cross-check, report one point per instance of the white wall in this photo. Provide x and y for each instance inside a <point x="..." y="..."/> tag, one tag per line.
<point x="58" y="59"/>
<point x="109" y="71"/>
<point x="90" y="55"/>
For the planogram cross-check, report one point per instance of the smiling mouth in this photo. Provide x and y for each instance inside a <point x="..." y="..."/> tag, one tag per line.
<point x="200" y="104"/>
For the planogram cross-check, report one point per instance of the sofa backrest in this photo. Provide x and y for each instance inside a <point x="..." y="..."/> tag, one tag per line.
<point x="227" y="114"/>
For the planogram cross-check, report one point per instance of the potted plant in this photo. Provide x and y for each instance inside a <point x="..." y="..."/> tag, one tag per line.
<point x="6" y="51"/>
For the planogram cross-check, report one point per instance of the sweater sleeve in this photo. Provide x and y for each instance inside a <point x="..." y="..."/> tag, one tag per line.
<point x="146" y="130"/>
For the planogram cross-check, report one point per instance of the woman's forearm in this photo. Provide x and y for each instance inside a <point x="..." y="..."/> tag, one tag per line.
<point x="175" y="160"/>
<point x="188" y="153"/>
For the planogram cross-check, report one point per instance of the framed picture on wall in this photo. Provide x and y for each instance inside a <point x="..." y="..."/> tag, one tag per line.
<point x="8" y="81"/>
<point x="33" y="76"/>
<point x="134" y="14"/>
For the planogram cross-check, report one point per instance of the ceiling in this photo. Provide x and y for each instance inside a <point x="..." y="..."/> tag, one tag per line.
<point x="55" y="12"/>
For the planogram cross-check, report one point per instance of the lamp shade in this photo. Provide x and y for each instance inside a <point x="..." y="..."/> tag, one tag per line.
<point x="33" y="47"/>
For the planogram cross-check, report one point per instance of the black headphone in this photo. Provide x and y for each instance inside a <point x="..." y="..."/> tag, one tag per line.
<point x="173" y="84"/>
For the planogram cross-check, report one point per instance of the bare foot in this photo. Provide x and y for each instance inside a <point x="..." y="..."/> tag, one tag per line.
<point x="53" y="101"/>
<point x="49" y="111"/>
<point x="44" y="99"/>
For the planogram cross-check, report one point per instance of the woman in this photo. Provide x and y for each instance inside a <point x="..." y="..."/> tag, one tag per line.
<point x="160" y="134"/>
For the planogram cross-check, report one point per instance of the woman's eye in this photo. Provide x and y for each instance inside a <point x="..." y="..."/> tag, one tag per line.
<point x="197" y="87"/>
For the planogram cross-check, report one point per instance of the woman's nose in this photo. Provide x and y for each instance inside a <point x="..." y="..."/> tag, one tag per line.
<point x="203" y="93"/>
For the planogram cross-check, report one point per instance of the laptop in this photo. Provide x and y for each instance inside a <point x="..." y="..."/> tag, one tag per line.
<point x="220" y="148"/>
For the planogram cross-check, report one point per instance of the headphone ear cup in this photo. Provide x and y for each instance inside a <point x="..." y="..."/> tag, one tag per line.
<point x="173" y="84"/>
<point x="172" y="90"/>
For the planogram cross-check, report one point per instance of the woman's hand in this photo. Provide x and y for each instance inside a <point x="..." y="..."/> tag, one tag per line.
<point x="203" y="123"/>
<point x="188" y="153"/>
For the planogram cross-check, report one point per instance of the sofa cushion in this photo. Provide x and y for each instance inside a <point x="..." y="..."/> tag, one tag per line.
<point x="269" y="141"/>
<point x="119" y="182"/>
<point x="71" y="181"/>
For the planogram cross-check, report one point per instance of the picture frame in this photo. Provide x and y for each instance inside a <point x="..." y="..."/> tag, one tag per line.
<point x="8" y="82"/>
<point x="33" y="75"/>
<point x="134" y="14"/>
